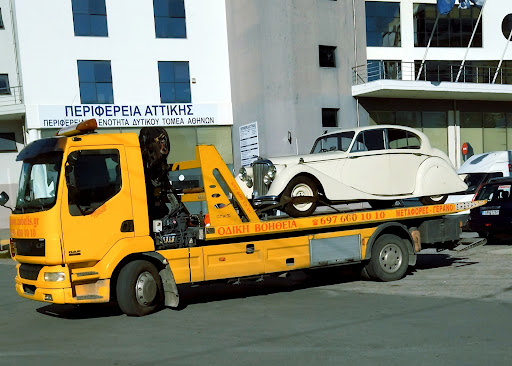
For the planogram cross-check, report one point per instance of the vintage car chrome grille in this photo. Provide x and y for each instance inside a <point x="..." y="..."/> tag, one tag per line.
<point x="259" y="169"/>
<point x="29" y="271"/>
<point x="30" y="247"/>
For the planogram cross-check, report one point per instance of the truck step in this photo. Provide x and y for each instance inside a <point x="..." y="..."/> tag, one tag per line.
<point x="89" y="297"/>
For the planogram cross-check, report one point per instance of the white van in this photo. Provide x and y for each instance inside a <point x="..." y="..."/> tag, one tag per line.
<point x="478" y="169"/>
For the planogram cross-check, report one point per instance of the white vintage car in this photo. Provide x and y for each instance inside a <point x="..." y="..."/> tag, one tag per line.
<point x="377" y="164"/>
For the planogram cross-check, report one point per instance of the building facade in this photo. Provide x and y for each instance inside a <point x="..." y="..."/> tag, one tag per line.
<point x="253" y="77"/>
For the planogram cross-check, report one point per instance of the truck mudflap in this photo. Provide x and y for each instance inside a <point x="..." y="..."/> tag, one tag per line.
<point x="171" y="295"/>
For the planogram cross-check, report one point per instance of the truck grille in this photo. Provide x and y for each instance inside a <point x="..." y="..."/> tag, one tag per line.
<point x="259" y="169"/>
<point x="30" y="247"/>
<point x="29" y="271"/>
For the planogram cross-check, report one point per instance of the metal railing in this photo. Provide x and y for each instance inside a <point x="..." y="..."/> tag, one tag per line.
<point x="11" y="96"/>
<point x="396" y="70"/>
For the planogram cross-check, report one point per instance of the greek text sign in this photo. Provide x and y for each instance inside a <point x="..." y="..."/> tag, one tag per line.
<point x="113" y="115"/>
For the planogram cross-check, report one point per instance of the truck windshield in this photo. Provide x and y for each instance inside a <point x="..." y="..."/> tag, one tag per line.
<point x="38" y="183"/>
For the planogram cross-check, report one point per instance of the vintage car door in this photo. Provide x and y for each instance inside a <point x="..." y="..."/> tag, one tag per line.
<point x="367" y="167"/>
<point x="329" y="154"/>
<point x="405" y="157"/>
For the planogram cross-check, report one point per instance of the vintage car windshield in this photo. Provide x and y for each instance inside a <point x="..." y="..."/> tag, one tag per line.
<point x="337" y="142"/>
<point x="38" y="183"/>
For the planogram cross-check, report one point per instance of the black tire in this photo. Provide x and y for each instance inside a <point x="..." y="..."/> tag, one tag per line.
<point x="381" y="205"/>
<point x="301" y="186"/>
<point x="389" y="260"/>
<point x="433" y="200"/>
<point x="139" y="289"/>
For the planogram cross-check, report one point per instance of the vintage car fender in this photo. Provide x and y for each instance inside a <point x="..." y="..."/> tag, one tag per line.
<point x="332" y="188"/>
<point x="436" y="176"/>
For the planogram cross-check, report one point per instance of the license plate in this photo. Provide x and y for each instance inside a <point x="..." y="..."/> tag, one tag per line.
<point x="490" y="212"/>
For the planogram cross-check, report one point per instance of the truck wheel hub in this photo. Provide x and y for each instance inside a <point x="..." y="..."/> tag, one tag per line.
<point x="145" y="288"/>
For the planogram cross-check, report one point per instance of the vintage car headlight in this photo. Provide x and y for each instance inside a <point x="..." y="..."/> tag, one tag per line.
<point x="249" y="182"/>
<point x="271" y="174"/>
<point x="242" y="174"/>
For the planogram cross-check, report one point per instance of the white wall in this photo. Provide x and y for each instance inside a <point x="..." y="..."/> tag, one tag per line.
<point x="49" y="52"/>
<point x="7" y="49"/>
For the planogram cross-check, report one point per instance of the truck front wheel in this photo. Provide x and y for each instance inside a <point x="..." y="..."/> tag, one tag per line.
<point x="389" y="259"/>
<point x="139" y="289"/>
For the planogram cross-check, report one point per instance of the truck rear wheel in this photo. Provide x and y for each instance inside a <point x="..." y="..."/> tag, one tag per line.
<point x="139" y="289"/>
<point x="389" y="259"/>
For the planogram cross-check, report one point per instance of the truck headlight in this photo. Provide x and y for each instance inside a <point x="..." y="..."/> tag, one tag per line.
<point x="242" y="174"/>
<point x="54" y="276"/>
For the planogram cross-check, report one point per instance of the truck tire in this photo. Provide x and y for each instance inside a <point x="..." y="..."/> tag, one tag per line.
<point x="389" y="259"/>
<point x="433" y="200"/>
<point x="139" y="289"/>
<point x="301" y="186"/>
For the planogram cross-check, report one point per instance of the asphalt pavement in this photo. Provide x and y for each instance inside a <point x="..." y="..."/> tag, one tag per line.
<point x="451" y="309"/>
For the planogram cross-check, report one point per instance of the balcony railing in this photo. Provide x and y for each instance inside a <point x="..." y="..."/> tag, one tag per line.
<point x="395" y="70"/>
<point x="11" y="96"/>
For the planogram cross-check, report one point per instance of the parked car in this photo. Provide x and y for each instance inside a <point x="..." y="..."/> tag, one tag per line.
<point x="495" y="217"/>
<point x="478" y="169"/>
<point x="378" y="164"/>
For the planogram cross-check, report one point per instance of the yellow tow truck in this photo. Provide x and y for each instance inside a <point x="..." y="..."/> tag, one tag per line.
<point x="96" y="221"/>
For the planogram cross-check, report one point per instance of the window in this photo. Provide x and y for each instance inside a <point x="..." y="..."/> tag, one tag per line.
<point x="1" y="21"/>
<point x="174" y="79"/>
<point x="486" y="131"/>
<point x="382" y="24"/>
<point x="93" y="177"/>
<point x="472" y="71"/>
<point x="370" y="140"/>
<point x="400" y="139"/>
<point x="7" y="142"/>
<point x="453" y="29"/>
<point x="340" y="141"/>
<point x="330" y="117"/>
<point x="169" y="18"/>
<point x="90" y="18"/>
<point x="4" y="84"/>
<point x="327" y="55"/>
<point x="95" y="78"/>
<point x="378" y="70"/>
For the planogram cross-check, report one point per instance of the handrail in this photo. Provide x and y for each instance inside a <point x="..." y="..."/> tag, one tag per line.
<point x="11" y="96"/>
<point x="397" y="70"/>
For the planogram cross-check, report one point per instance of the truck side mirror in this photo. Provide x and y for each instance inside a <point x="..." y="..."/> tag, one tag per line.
<point x="3" y="198"/>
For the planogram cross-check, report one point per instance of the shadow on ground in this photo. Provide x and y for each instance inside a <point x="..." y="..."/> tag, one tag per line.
<point x="244" y="288"/>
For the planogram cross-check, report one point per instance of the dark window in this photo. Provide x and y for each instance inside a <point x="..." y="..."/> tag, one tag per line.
<point x="7" y="141"/>
<point x="369" y="140"/>
<point x="378" y="70"/>
<point x="174" y="79"/>
<point x="472" y="71"/>
<point x="330" y="117"/>
<point x="453" y="29"/>
<point x="93" y="177"/>
<point x="169" y="18"/>
<point x="4" y="84"/>
<point x="400" y="139"/>
<point x="382" y="24"/>
<point x="1" y="21"/>
<point x="95" y="79"/>
<point x="90" y="18"/>
<point x="327" y="55"/>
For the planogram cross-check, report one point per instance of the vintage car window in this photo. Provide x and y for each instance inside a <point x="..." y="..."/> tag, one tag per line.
<point x="369" y="140"/>
<point x="401" y="139"/>
<point x="93" y="177"/>
<point x="340" y="141"/>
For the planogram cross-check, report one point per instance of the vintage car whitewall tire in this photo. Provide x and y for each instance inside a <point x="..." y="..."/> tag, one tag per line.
<point x="434" y="200"/>
<point x="305" y="187"/>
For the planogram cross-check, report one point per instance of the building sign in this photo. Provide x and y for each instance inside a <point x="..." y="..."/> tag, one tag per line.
<point x="141" y="115"/>
<point x="249" y="148"/>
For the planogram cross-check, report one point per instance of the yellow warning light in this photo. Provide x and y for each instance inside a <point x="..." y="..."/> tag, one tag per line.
<point x="81" y="128"/>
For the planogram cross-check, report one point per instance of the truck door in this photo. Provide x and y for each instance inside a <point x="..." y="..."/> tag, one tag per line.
<point x="96" y="208"/>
